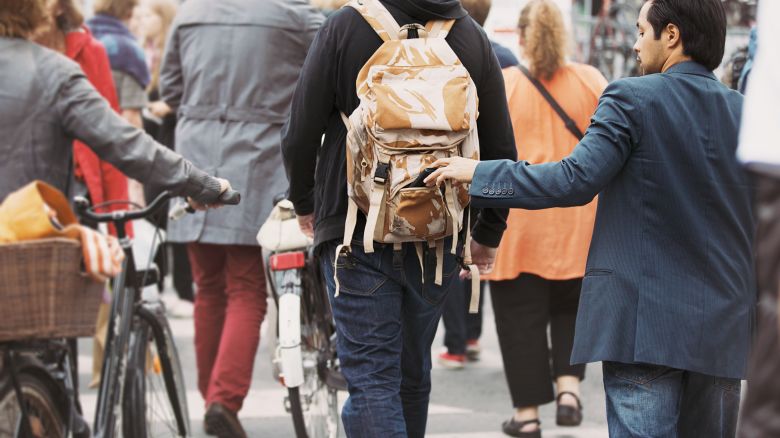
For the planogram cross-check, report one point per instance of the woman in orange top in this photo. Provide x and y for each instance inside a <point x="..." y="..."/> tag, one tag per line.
<point x="541" y="260"/>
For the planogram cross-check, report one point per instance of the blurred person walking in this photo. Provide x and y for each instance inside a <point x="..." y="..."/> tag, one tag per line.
<point x="668" y="296"/>
<point x="541" y="260"/>
<point x="760" y="151"/>
<point x="128" y="67"/>
<point x="155" y="18"/>
<point x="229" y="70"/>
<point x="462" y="329"/>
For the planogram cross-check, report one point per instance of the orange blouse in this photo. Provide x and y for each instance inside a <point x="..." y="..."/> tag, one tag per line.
<point x="551" y="243"/>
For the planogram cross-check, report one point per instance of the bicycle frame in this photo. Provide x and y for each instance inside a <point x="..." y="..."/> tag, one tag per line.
<point x="126" y="308"/>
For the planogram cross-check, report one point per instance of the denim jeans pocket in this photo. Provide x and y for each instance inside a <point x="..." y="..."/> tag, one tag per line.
<point x="356" y="277"/>
<point x="640" y="374"/>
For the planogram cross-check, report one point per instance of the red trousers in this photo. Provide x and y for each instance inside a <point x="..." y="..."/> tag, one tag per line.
<point x="230" y="305"/>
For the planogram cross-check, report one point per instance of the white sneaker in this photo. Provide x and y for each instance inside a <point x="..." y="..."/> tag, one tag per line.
<point x="181" y="309"/>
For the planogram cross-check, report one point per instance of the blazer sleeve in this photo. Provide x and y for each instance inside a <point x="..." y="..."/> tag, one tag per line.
<point x="614" y="132"/>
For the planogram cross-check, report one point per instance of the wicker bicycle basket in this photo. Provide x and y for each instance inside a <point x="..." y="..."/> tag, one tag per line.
<point x="43" y="293"/>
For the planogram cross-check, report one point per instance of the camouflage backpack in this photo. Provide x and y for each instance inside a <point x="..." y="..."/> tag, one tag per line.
<point x="417" y="104"/>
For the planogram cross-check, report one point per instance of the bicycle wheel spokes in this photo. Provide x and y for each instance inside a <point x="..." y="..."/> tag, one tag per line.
<point x="157" y="403"/>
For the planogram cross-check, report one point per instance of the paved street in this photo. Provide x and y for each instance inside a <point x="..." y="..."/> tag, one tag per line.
<point x="470" y="403"/>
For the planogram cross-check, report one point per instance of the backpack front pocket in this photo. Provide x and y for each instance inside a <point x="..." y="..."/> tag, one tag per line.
<point x="419" y="213"/>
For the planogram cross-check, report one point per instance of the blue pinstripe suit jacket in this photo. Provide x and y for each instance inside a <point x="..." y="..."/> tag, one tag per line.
<point x="669" y="277"/>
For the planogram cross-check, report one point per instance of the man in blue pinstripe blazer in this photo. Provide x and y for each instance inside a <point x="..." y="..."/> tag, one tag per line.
<point x="668" y="296"/>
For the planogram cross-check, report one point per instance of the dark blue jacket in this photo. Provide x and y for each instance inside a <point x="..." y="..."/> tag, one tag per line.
<point x="669" y="278"/>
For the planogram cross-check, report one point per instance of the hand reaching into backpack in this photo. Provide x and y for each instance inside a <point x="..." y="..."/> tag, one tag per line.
<point x="482" y="256"/>
<point x="457" y="169"/>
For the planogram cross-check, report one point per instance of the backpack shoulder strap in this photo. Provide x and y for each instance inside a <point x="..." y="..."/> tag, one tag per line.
<point x="570" y="124"/>
<point x="439" y="28"/>
<point x="378" y="17"/>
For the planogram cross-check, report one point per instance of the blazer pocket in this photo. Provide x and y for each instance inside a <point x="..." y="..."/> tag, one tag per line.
<point x="598" y="272"/>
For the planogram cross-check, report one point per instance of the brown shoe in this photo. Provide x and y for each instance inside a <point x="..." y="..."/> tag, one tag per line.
<point x="223" y="423"/>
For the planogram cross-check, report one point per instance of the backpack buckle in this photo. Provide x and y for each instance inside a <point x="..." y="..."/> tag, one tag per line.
<point x="381" y="172"/>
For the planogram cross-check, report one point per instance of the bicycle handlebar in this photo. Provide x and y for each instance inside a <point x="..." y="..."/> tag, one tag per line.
<point x="85" y="210"/>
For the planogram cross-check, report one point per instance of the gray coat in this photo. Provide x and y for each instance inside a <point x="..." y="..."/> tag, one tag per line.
<point x="230" y="68"/>
<point x="46" y="102"/>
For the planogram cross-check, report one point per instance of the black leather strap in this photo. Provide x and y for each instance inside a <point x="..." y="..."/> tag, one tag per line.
<point x="570" y="124"/>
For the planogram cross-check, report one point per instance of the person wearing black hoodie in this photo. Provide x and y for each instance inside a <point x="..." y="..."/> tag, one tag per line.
<point x="386" y="316"/>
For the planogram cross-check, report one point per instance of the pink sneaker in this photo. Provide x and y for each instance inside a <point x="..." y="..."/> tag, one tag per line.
<point x="452" y="361"/>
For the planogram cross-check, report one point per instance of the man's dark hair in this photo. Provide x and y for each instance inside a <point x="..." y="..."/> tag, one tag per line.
<point x="702" y="25"/>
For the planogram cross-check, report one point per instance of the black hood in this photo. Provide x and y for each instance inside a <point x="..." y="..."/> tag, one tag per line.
<point x="430" y="9"/>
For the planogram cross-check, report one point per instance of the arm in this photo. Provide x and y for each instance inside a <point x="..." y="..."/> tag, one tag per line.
<point x="86" y="116"/>
<point x="171" y="77"/>
<point x="578" y="178"/>
<point x="496" y="142"/>
<point x="312" y="104"/>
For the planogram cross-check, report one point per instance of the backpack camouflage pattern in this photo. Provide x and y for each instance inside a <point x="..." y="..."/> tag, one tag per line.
<point x="417" y="104"/>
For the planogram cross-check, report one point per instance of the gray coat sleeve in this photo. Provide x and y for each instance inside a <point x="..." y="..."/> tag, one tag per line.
<point x="171" y="78"/>
<point x="86" y="116"/>
<point x="577" y="179"/>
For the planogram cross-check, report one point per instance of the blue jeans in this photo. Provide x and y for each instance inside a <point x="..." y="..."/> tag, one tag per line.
<point x="386" y="318"/>
<point x="652" y="401"/>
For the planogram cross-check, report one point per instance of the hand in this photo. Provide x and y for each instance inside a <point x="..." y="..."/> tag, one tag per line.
<point x="482" y="256"/>
<point x="159" y="108"/>
<point x="224" y="185"/>
<point x="457" y="169"/>
<point x="306" y="222"/>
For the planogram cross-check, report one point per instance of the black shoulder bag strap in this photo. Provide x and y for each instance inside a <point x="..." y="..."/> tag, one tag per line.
<point x="570" y="125"/>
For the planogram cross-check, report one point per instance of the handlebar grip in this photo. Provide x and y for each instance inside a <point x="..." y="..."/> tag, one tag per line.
<point x="230" y="197"/>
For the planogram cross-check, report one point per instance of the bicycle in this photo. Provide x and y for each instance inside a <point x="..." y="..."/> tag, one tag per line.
<point x="304" y="359"/>
<point x="142" y="392"/>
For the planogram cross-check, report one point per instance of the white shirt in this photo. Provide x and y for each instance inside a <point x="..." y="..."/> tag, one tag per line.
<point x="759" y="140"/>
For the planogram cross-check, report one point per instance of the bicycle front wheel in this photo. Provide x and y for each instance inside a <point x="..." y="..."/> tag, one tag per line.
<point x="155" y="395"/>
<point x="313" y="405"/>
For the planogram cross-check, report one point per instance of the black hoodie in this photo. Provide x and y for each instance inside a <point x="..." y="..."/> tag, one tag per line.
<point x="316" y="169"/>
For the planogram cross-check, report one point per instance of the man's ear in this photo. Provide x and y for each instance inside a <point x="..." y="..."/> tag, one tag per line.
<point x="672" y="36"/>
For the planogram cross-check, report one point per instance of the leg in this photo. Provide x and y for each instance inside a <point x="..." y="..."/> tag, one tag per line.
<point x="246" y="306"/>
<point x="642" y="400"/>
<point x="474" y="320"/>
<point x="521" y="309"/>
<point x="422" y="307"/>
<point x="368" y="325"/>
<point x="565" y="298"/>
<point x="454" y="318"/>
<point x="208" y="262"/>
<point x="709" y="406"/>
<point x="182" y="272"/>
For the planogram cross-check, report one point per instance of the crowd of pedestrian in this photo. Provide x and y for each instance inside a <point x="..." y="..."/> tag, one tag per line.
<point x="610" y="222"/>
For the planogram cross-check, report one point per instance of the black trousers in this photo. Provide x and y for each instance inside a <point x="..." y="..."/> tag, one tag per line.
<point x="523" y="308"/>
<point x="460" y="325"/>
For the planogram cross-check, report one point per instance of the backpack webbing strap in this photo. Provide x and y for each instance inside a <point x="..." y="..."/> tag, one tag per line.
<point x="419" y="249"/>
<point x="449" y="199"/>
<point x="377" y="196"/>
<point x="439" y="28"/>
<point x="475" y="289"/>
<point x="378" y="17"/>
